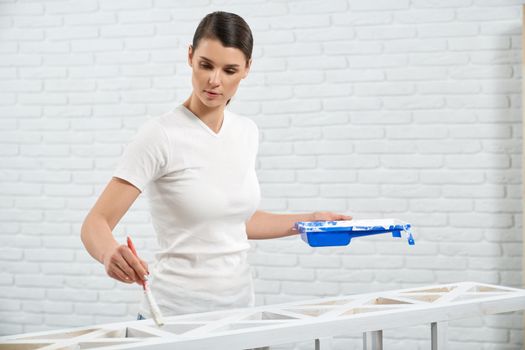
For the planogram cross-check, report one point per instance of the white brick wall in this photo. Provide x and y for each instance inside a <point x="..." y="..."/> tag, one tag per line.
<point x="377" y="108"/>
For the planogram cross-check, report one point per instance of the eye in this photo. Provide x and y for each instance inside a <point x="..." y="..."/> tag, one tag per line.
<point x="205" y="66"/>
<point x="230" y="71"/>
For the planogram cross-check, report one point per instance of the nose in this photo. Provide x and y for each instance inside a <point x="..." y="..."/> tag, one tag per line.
<point x="215" y="78"/>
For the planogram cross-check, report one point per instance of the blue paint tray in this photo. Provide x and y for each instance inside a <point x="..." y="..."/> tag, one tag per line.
<point x="339" y="233"/>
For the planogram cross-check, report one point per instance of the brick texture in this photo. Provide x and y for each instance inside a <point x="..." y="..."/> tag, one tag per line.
<point x="375" y="108"/>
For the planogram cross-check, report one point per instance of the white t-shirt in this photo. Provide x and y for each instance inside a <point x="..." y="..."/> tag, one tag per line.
<point x="202" y="188"/>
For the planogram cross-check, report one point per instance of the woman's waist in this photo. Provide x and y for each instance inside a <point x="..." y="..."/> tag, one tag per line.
<point x="201" y="265"/>
<point x="201" y="278"/>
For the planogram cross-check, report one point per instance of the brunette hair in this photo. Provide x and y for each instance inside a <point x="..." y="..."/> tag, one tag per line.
<point x="230" y="29"/>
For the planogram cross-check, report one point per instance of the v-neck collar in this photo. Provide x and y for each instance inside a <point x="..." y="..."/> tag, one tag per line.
<point x="203" y="124"/>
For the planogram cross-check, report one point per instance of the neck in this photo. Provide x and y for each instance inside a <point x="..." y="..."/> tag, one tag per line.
<point x="211" y="116"/>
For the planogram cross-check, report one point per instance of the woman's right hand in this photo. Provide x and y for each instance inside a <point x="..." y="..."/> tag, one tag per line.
<point x="121" y="264"/>
<point x="97" y="236"/>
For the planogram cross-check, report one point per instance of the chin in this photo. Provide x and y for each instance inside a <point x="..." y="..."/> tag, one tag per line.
<point x="212" y="103"/>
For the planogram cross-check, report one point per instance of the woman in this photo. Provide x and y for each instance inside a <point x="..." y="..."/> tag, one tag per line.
<point x="198" y="163"/>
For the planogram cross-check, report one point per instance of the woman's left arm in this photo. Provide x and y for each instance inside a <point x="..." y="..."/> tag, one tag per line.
<point x="264" y="225"/>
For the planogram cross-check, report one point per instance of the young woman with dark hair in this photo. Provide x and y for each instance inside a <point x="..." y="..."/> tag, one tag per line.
<point x="197" y="162"/>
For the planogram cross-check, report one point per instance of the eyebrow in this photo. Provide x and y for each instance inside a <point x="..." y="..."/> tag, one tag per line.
<point x="228" y="65"/>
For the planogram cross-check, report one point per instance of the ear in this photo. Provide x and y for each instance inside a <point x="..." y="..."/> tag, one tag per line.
<point x="247" y="68"/>
<point x="190" y="54"/>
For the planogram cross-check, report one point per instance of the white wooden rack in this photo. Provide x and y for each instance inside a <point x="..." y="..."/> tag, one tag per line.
<point x="317" y="320"/>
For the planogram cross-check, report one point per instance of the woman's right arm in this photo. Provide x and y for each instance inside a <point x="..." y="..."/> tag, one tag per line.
<point x="97" y="236"/>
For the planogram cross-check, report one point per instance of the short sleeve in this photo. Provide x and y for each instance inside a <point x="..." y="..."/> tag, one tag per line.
<point x="146" y="157"/>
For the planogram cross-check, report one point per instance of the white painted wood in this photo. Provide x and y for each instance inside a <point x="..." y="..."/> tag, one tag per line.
<point x="324" y="344"/>
<point x="373" y="340"/>
<point x="455" y="293"/>
<point x="438" y="335"/>
<point x="269" y="325"/>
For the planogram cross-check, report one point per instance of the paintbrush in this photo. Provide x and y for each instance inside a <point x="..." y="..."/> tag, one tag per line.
<point x="154" y="308"/>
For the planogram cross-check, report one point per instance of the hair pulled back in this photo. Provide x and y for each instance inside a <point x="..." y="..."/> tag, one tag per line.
<point x="230" y="29"/>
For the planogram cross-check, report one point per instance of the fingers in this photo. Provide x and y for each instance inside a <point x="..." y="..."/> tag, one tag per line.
<point x="328" y="216"/>
<point x="145" y="265"/>
<point x="125" y="267"/>
<point x="135" y="266"/>
<point x="114" y="270"/>
<point x="117" y="273"/>
<point x="321" y="216"/>
<point x="342" y="217"/>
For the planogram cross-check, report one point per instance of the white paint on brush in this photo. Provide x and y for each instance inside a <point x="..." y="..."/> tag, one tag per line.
<point x="154" y="308"/>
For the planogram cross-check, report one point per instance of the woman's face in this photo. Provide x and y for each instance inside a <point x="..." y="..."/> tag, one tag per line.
<point x="216" y="71"/>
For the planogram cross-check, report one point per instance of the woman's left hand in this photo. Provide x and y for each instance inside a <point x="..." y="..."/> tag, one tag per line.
<point x="329" y="216"/>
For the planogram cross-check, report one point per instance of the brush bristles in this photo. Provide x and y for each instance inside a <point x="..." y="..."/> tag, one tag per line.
<point x="154" y="308"/>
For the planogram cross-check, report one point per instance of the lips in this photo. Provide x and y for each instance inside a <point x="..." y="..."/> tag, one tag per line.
<point x="211" y="92"/>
